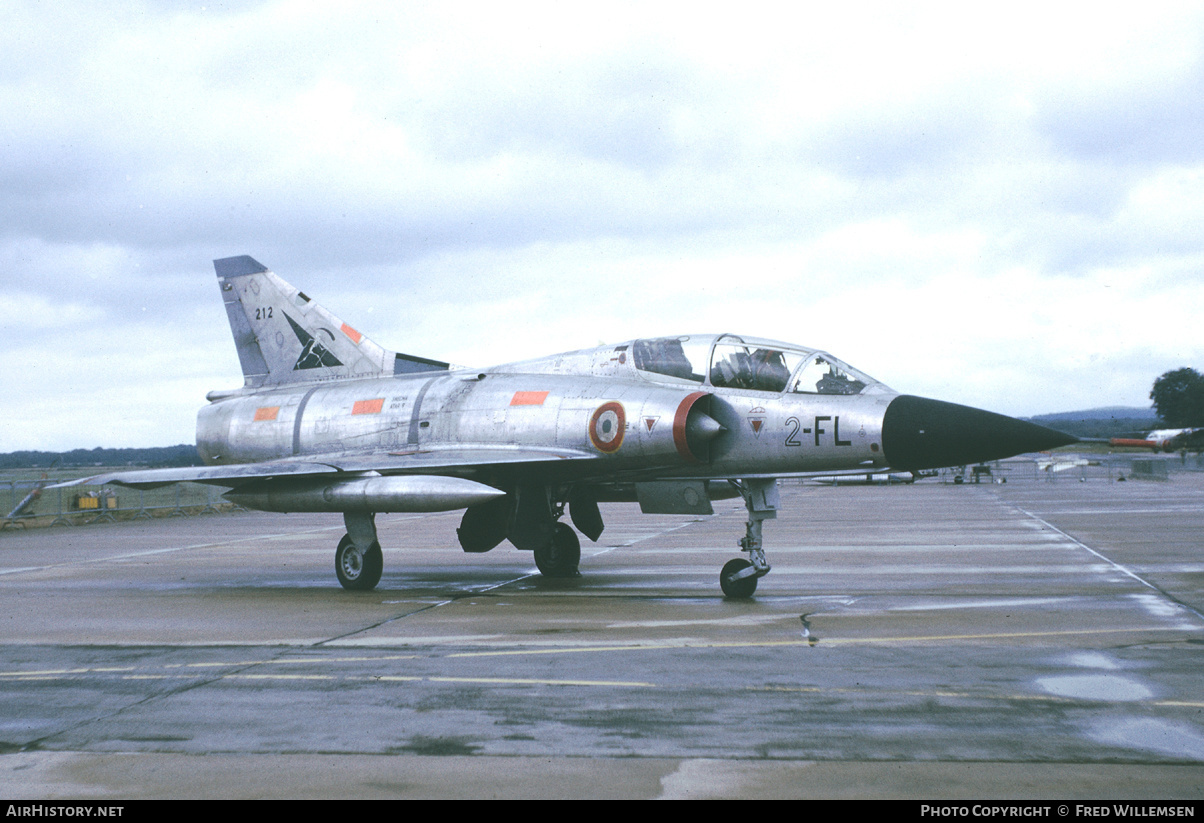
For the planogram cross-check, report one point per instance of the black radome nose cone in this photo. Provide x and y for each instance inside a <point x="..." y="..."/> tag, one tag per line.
<point x="918" y="433"/>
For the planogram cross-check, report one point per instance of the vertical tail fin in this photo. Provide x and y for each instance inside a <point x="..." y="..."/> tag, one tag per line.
<point x="283" y="336"/>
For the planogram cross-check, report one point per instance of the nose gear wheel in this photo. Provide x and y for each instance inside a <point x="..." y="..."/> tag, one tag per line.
<point x="733" y="584"/>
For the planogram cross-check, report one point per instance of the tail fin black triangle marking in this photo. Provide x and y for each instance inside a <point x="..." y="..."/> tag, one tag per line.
<point x="313" y="354"/>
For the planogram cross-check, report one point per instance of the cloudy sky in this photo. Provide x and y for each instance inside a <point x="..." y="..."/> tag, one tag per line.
<point x="994" y="206"/>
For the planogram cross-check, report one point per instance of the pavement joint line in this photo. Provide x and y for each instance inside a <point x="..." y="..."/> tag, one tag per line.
<point x="1109" y="561"/>
<point x="149" y="552"/>
<point x="813" y="641"/>
<point x="530" y="681"/>
<point x="130" y="672"/>
<point x="208" y="545"/>
<point x="425" y="608"/>
<point x="1040" y="698"/>
<point x="649" y="536"/>
<point x="810" y="642"/>
<point x="486" y="590"/>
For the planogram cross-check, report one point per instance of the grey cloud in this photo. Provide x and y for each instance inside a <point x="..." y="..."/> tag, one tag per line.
<point x="1142" y="123"/>
<point x="620" y="110"/>
<point x="922" y="136"/>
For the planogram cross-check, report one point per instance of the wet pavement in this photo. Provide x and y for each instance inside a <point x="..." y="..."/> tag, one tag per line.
<point x="1032" y="639"/>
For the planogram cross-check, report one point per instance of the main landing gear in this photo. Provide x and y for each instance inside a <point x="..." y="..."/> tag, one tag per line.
<point x="529" y="517"/>
<point x="536" y="527"/>
<point x="560" y="557"/>
<point x="358" y="562"/>
<point x="739" y="576"/>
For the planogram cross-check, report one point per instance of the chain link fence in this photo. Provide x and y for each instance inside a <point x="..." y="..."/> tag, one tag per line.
<point x="25" y="502"/>
<point x="1070" y="467"/>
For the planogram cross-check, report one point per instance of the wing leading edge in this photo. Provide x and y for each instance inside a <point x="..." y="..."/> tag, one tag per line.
<point x="436" y="461"/>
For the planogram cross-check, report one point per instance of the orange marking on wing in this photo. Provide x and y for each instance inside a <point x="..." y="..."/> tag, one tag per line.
<point x="266" y="413"/>
<point x="528" y="398"/>
<point x="352" y="333"/>
<point x="368" y="406"/>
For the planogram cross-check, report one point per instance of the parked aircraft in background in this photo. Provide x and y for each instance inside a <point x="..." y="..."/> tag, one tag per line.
<point x="1053" y="465"/>
<point x="1167" y="440"/>
<point x="872" y="479"/>
<point x="328" y="421"/>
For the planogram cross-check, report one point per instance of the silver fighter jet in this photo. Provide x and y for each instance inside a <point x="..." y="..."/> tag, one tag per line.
<point x="328" y="421"/>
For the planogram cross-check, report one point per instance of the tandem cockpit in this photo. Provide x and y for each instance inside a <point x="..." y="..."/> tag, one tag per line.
<point x="747" y="363"/>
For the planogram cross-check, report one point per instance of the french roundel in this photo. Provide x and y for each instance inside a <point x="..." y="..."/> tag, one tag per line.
<point x="606" y="427"/>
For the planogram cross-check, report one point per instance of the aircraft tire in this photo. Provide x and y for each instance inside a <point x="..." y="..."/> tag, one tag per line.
<point x="742" y="588"/>
<point x="562" y="556"/>
<point x="358" y="570"/>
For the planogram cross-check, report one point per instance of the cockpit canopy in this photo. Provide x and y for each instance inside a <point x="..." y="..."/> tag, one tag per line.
<point x="728" y="361"/>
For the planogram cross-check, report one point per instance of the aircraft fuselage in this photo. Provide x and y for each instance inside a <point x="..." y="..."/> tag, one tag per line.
<point x="631" y="426"/>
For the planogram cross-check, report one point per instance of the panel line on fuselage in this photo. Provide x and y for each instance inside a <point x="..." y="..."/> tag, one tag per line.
<point x="297" y="420"/>
<point x="412" y="437"/>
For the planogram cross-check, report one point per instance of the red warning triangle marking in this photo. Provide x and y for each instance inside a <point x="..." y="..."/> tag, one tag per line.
<point x="650" y="422"/>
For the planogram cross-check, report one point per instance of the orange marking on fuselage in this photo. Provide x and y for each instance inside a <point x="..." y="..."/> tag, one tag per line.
<point x="368" y="406"/>
<point x="528" y="398"/>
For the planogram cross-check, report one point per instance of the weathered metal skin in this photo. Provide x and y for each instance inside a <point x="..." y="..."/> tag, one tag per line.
<point x="364" y="494"/>
<point x="761" y="433"/>
<point x="797" y="433"/>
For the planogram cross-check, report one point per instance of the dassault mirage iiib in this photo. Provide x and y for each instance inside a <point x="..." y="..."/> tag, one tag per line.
<point x="328" y="421"/>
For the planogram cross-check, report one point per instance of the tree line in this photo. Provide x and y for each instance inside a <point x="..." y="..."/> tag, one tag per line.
<point x="157" y="457"/>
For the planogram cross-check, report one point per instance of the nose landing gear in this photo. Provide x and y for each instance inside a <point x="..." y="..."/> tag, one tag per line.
<point x="739" y="576"/>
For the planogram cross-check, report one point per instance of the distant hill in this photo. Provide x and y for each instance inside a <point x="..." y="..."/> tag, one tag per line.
<point x="1109" y="421"/>
<point x="1105" y="413"/>
<point x="159" y="457"/>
